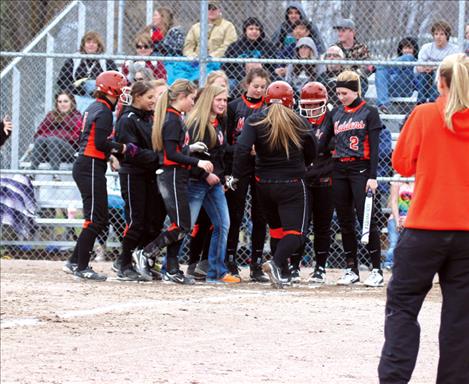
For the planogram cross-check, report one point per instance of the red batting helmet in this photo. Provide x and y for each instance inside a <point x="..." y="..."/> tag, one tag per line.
<point x="280" y="92"/>
<point x="313" y="93"/>
<point x="111" y="83"/>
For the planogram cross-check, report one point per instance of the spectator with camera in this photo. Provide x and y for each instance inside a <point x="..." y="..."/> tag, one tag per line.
<point x="434" y="51"/>
<point x="221" y="33"/>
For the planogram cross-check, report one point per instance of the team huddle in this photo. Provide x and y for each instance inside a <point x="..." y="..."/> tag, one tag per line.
<point x="190" y="155"/>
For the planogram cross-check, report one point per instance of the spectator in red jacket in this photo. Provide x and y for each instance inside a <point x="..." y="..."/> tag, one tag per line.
<point x="56" y="139"/>
<point x="144" y="47"/>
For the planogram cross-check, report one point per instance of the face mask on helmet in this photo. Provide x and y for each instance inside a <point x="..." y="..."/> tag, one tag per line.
<point x="312" y="109"/>
<point x="126" y="97"/>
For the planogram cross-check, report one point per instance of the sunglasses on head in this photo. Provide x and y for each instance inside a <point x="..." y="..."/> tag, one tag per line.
<point x="140" y="46"/>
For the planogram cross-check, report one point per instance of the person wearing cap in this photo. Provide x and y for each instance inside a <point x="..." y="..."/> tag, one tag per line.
<point x="252" y="44"/>
<point x="329" y="76"/>
<point x="299" y="74"/>
<point x="221" y="33"/>
<point x="353" y="49"/>
<point x="284" y="36"/>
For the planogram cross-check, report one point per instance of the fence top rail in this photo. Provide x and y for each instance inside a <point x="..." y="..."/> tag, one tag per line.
<point x="215" y="60"/>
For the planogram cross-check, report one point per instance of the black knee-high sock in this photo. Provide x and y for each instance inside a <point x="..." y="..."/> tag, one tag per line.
<point x="172" y="263"/>
<point x="128" y="246"/>
<point x="285" y="248"/>
<point x="321" y="258"/>
<point x="85" y="245"/>
<point x="74" y="258"/>
<point x="296" y="257"/>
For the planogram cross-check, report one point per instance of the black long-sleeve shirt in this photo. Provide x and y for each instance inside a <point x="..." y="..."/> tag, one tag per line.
<point x="272" y="164"/>
<point x="135" y="126"/>
<point x="356" y="128"/>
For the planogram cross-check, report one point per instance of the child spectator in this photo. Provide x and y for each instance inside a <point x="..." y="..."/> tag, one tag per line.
<point x="221" y="33"/>
<point x="253" y="44"/>
<point x="78" y="76"/>
<point x="397" y="81"/>
<point x="435" y="51"/>
<point x="143" y="45"/>
<point x="299" y="74"/>
<point x="329" y="77"/>
<point x="56" y="139"/>
<point x="353" y="49"/>
<point x="167" y="38"/>
<point x="284" y="37"/>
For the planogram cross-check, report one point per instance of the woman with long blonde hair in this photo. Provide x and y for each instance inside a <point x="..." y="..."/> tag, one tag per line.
<point x="170" y="139"/>
<point x="433" y="146"/>
<point x="283" y="147"/>
<point x="205" y="189"/>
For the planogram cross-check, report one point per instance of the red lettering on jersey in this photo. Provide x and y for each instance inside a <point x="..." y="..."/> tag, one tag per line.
<point x="240" y="125"/>
<point x="348" y="126"/>
<point x="354" y="143"/>
<point x="220" y="137"/>
<point x="187" y="139"/>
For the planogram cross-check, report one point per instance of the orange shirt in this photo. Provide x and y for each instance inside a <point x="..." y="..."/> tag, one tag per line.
<point x="439" y="159"/>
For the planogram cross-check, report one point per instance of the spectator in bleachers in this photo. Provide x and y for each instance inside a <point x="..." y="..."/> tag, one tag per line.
<point x="329" y="77"/>
<point x="56" y="139"/>
<point x="284" y="36"/>
<point x="143" y="45"/>
<point x="353" y="50"/>
<point x="167" y="38"/>
<point x="397" y="81"/>
<point x="78" y="76"/>
<point x="221" y="33"/>
<point x="299" y="74"/>
<point x="6" y="127"/>
<point x="434" y="51"/>
<point x="252" y="44"/>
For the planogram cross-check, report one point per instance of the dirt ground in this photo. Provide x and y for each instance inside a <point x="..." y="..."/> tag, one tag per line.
<point x="55" y="329"/>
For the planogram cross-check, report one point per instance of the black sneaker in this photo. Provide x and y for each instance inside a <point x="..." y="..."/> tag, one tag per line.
<point x="89" y="274"/>
<point x="116" y="266"/>
<point x="177" y="277"/>
<point x="295" y="276"/>
<point x="130" y="274"/>
<point x="191" y="269"/>
<point x="69" y="267"/>
<point x="257" y="275"/>
<point x="200" y="271"/>
<point x="141" y="264"/>
<point x="232" y="269"/>
<point x="318" y="276"/>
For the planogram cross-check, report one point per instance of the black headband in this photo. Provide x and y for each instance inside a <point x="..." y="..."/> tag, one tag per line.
<point x="350" y="84"/>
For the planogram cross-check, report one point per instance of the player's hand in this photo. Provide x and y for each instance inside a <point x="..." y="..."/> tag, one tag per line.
<point x="198" y="147"/>
<point x="115" y="165"/>
<point x="371" y="184"/>
<point x="212" y="179"/>
<point x="7" y="125"/>
<point x="231" y="183"/>
<point x="206" y="165"/>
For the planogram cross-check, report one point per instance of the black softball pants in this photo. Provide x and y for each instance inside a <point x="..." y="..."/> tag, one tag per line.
<point x="348" y="190"/>
<point x="144" y="213"/>
<point x="419" y="255"/>
<point x="90" y="176"/>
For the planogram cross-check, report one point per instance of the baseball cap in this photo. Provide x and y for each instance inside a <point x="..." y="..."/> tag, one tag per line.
<point x="214" y="4"/>
<point x="345" y="23"/>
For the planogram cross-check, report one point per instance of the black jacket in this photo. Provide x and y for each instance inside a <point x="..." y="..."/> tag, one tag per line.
<point x="135" y="126"/>
<point x="271" y="164"/>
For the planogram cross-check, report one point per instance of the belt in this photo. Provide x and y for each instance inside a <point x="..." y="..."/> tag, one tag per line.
<point x="277" y="181"/>
<point x="350" y="159"/>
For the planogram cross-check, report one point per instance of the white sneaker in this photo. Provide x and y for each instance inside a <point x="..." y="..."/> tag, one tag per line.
<point x="375" y="279"/>
<point x="100" y="252"/>
<point x="348" y="278"/>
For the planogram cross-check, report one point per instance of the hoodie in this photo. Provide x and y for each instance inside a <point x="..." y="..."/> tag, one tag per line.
<point x="439" y="159"/>
<point x="280" y="39"/>
<point x="299" y="74"/>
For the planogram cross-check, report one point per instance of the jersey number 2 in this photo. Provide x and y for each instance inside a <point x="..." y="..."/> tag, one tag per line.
<point x="354" y="143"/>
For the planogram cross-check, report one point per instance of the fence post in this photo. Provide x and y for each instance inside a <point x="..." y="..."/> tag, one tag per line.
<point x="203" y="43"/>
<point x="15" y="117"/>
<point x="120" y="26"/>
<point x="49" y="75"/>
<point x="149" y="14"/>
<point x="81" y="23"/>
<point x="462" y="10"/>
<point x="110" y="27"/>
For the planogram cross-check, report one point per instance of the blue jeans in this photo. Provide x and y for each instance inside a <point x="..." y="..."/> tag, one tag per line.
<point x="393" y="236"/>
<point x="214" y="202"/>
<point x="395" y="81"/>
<point x="426" y="87"/>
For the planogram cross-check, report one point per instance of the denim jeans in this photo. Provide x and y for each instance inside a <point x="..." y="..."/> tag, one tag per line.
<point x="393" y="236"/>
<point x="395" y="81"/>
<point x="212" y="198"/>
<point x="426" y="87"/>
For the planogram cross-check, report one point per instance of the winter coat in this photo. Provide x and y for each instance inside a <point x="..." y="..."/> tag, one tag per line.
<point x="68" y="128"/>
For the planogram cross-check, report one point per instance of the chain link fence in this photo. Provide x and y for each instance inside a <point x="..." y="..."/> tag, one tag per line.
<point x="41" y="206"/>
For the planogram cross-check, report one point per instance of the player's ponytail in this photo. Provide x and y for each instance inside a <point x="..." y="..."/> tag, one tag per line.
<point x="454" y="69"/>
